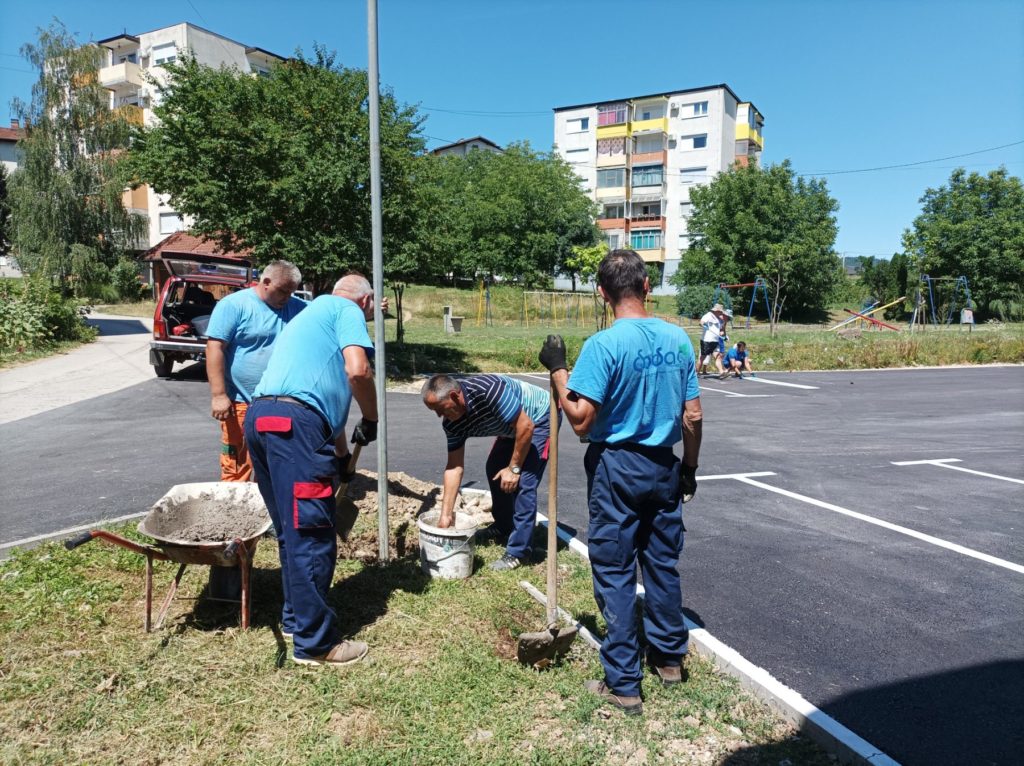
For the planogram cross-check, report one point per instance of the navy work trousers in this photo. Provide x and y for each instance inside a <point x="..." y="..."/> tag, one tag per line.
<point x="293" y="460"/>
<point x="516" y="512"/>
<point x="635" y="517"/>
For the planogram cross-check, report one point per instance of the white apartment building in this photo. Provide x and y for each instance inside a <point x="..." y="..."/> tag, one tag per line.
<point x="639" y="157"/>
<point x="130" y="60"/>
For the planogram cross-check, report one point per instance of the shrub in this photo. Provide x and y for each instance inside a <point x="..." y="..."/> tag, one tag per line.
<point x="694" y="300"/>
<point x="125" y="279"/>
<point x="33" y="316"/>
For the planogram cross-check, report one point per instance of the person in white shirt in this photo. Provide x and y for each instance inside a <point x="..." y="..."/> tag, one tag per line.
<point x="712" y="323"/>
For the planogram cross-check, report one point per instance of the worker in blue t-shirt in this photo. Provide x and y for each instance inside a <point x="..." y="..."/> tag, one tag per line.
<point x="295" y="431"/>
<point x="634" y="393"/>
<point x="737" y="361"/>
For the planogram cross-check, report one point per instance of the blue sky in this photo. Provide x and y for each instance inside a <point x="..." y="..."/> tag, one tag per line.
<point x="843" y="86"/>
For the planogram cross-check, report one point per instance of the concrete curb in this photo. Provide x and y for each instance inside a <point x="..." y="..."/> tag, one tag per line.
<point x="820" y="727"/>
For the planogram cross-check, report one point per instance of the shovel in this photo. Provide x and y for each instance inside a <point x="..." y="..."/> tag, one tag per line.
<point x="345" y="509"/>
<point x="547" y="646"/>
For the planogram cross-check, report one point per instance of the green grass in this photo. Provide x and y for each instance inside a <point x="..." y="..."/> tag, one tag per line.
<point x="140" y="309"/>
<point x="83" y="684"/>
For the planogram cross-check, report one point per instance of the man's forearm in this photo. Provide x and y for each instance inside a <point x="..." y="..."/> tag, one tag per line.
<point x="215" y="368"/>
<point x="692" y="431"/>
<point x="524" y="433"/>
<point x="452" y="482"/>
<point x="364" y="391"/>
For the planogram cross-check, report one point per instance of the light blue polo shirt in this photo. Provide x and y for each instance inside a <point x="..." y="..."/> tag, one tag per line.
<point x="640" y="372"/>
<point x="307" y="362"/>
<point x="248" y="326"/>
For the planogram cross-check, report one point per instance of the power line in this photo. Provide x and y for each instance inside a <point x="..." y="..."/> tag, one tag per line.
<point x="911" y="164"/>
<point x="481" y="113"/>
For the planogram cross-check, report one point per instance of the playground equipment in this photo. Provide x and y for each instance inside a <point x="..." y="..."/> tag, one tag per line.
<point x="925" y="302"/>
<point x="722" y="296"/>
<point x="483" y="305"/>
<point x="562" y="307"/>
<point x="866" y="315"/>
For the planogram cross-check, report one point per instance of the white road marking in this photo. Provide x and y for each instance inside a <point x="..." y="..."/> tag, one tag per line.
<point x="69" y="530"/>
<point x="733" y="393"/>
<point x="888" y="525"/>
<point x="780" y="383"/>
<point x="944" y="463"/>
<point x="715" y="476"/>
<point x="538" y="377"/>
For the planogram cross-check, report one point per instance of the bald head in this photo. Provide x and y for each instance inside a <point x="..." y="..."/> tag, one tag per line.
<point x="357" y="289"/>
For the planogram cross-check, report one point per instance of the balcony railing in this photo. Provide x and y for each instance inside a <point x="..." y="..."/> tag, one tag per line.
<point x="745" y="133"/>
<point x="130" y="113"/>
<point x="611" y="223"/>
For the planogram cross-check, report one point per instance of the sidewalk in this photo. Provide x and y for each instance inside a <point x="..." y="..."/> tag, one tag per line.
<point x="118" y="358"/>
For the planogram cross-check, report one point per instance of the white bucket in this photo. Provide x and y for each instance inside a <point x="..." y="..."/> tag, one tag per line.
<point x="446" y="553"/>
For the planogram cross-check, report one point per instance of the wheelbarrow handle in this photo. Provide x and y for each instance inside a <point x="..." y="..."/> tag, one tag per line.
<point x="80" y="539"/>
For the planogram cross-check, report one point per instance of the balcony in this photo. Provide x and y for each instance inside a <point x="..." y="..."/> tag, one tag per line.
<point x="121" y="76"/>
<point x="647" y="220"/>
<point x="652" y="255"/>
<point x="610" y="192"/>
<point x="619" y="130"/>
<point x="746" y="133"/>
<point x="659" y="157"/>
<point x="137" y="199"/>
<point x="655" y="125"/>
<point x="130" y="113"/>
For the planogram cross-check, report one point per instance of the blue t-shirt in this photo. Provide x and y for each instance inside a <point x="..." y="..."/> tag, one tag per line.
<point x="248" y="326"/>
<point x="307" y="362"/>
<point x="735" y="355"/>
<point x="640" y="372"/>
<point x="493" y="404"/>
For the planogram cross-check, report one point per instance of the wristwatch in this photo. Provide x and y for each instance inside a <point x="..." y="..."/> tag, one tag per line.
<point x="515" y="469"/>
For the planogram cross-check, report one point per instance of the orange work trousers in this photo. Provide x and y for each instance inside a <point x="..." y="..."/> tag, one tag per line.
<point x="235" y="464"/>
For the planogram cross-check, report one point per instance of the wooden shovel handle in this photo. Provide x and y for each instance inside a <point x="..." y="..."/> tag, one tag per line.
<point x="353" y="459"/>
<point x="553" y="509"/>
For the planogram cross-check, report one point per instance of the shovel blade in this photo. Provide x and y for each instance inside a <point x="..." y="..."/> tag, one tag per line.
<point x="345" y="514"/>
<point x="541" y="649"/>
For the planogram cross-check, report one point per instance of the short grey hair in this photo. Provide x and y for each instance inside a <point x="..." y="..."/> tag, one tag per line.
<point x="283" y="271"/>
<point x="355" y="286"/>
<point x="439" y="386"/>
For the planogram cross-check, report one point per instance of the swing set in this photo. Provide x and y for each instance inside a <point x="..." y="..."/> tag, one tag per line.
<point x="722" y="296"/>
<point x="926" y="303"/>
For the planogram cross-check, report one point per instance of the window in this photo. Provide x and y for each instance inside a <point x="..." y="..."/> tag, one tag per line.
<point x="576" y="156"/>
<point x="694" y="142"/>
<point x="700" y="108"/>
<point x="614" y="241"/>
<point x="685" y="209"/>
<point x="164" y="54"/>
<point x="579" y="125"/>
<point x="260" y="71"/>
<point x="610" y="146"/>
<point x="612" y="114"/>
<point x="646" y="211"/>
<point x="693" y="175"/>
<point x="653" y="143"/>
<point x="611" y="177"/>
<point x="649" y="111"/>
<point x="170" y="223"/>
<point x="131" y="58"/>
<point x="617" y="210"/>
<point x="652" y="175"/>
<point x="645" y="240"/>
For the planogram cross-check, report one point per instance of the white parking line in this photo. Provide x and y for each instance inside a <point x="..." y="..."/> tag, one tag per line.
<point x="538" y="377"/>
<point x="888" y="525"/>
<point x="733" y="393"/>
<point x="69" y="530"/>
<point x="944" y="463"/>
<point x="780" y="383"/>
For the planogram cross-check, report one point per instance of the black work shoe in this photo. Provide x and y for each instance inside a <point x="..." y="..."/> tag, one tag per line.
<point x="491" y="534"/>
<point x="670" y="674"/>
<point x="506" y="563"/>
<point x="628" y="705"/>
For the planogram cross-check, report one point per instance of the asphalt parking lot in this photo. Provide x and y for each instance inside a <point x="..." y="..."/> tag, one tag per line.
<point x="888" y="595"/>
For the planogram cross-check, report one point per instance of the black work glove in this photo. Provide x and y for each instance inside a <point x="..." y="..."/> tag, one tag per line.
<point x="687" y="482"/>
<point x="365" y="432"/>
<point x="341" y="469"/>
<point x="552" y="354"/>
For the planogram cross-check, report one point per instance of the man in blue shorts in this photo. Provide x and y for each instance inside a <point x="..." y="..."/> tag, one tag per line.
<point x="517" y="414"/>
<point x="241" y="334"/>
<point x="295" y="430"/>
<point x="737" y="361"/>
<point x="634" y="393"/>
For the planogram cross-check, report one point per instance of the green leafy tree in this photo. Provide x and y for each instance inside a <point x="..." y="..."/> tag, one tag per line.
<point x="753" y="221"/>
<point x="974" y="227"/>
<point x="515" y="215"/>
<point x="584" y="262"/>
<point x="281" y="163"/>
<point x="5" y="211"/>
<point x="67" y="195"/>
<point x="886" y="281"/>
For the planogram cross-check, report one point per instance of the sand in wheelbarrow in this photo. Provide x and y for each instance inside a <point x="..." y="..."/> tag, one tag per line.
<point x="208" y="518"/>
<point x="408" y="498"/>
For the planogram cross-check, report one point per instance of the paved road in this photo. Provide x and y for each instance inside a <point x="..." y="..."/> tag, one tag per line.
<point x="918" y="648"/>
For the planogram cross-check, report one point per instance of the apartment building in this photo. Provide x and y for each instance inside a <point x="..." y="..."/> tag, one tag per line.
<point x="639" y="157"/>
<point x="129" y="61"/>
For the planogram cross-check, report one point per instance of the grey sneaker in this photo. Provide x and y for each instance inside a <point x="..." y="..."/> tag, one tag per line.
<point x="491" y="534"/>
<point x="344" y="653"/>
<point x="628" y="705"/>
<point x="506" y="563"/>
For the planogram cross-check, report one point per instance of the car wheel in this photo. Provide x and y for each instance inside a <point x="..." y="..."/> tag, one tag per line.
<point x="163" y="367"/>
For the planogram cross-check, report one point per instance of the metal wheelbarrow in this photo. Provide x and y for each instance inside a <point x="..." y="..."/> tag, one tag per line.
<point x="210" y="523"/>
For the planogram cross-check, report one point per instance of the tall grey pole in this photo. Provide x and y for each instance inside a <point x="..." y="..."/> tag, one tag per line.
<point x="373" y="77"/>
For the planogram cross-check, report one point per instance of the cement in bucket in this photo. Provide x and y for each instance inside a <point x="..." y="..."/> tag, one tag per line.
<point x="446" y="553"/>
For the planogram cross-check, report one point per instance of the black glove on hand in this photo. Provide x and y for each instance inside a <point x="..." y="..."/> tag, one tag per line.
<point x="687" y="482"/>
<point x="552" y="354"/>
<point x="345" y="476"/>
<point x="365" y="432"/>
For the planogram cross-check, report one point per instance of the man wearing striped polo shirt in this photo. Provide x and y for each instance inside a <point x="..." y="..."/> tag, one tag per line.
<point x="517" y="414"/>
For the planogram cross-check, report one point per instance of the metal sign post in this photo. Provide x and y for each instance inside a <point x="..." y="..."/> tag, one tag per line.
<point x="373" y="81"/>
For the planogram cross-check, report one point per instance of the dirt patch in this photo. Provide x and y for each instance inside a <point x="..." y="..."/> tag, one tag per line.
<point x="206" y="517"/>
<point x="408" y="499"/>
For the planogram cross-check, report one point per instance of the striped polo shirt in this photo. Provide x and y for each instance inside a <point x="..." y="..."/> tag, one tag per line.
<point x="493" y="404"/>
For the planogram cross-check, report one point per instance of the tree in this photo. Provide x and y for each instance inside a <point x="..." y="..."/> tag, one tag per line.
<point x="5" y="211"/>
<point x="751" y="222"/>
<point x="516" y="214"/>
<point x="584" y="262"/>
<point x="66" y="199"/>
<point x="886" y="280"/>
<point x="281" y="163"/>
<point x="974" y="227"/>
